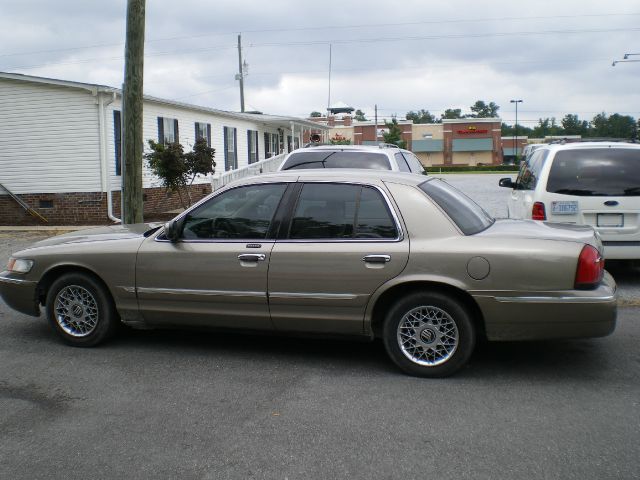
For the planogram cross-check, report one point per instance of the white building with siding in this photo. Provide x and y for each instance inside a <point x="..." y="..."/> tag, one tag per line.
<point x="60" y="152"/>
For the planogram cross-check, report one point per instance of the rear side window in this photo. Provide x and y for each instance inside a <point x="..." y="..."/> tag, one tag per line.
<point x="530" y="171"/>
<point x="337" y="159"/>
<point x="339" y="211"/>
<point x="611" y="172"/>
<point x="467" y="214"/>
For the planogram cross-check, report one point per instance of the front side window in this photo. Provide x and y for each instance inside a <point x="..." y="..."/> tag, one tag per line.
<point x="403" y="166"/>
<point x="414" y="162"/>
<point x="530" y="171"/>
<point x="244" y="213"/>
<point x="340" y="211"/>
<point x="336" y="159"/>
<point x="613" y="172"/>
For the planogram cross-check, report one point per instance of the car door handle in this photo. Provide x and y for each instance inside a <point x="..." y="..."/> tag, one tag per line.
<point x="252" y="257"/>
<point x="376" y="258"/>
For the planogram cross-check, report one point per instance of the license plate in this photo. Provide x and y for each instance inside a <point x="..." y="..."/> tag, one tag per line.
<point x="564" y="208"/>
<point x="610" y="220"/>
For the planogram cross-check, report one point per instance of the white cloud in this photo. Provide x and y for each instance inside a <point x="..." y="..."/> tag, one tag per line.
<point x="191" y="52"/>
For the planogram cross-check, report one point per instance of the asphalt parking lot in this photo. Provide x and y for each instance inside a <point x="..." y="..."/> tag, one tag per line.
<point x="166" y="404"/>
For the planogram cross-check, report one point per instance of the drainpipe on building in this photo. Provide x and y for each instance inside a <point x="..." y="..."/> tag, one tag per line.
<point x="105" y="179"/>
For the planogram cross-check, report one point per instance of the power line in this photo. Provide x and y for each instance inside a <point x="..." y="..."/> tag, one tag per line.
<point x="326" y="42"/>
<point x="326" y="27"/>
<point x="440" y="37"/>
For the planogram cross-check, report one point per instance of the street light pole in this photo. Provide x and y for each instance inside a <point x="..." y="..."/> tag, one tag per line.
<point x="515" y="138"/>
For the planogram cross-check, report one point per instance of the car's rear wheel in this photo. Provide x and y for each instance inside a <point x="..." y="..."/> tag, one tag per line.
<point x="80" y="310"/>
<point x="429" y="334"/>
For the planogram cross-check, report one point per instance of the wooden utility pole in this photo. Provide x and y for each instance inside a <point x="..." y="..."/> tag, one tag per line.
<point x="240" y="75"/>
<point x="132" y="207"/>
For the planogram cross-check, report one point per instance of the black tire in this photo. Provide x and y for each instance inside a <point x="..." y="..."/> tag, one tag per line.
<point x="433" y="354"/>
<point x="80" y="310"/>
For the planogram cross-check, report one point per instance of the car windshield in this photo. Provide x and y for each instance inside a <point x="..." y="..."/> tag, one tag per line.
<point x="337" y="159"/>
<point x="611" y="172"/>
<point x="467" y="214"/>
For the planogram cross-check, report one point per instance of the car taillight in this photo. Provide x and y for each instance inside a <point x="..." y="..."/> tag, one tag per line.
<point x="590" y="268"/>
<point x="537" y="212"/>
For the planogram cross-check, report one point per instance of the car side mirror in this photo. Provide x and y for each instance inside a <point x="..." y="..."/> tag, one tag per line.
<point x="506" y="182"/>
<point x="172" y="230"/>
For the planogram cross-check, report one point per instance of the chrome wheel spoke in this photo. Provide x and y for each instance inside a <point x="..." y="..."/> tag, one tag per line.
<point x="427" y="335"/>
<point x="76" y="311"/>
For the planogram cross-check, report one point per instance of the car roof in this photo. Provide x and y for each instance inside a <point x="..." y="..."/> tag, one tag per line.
<point x="554" y="147"/>
<point x="347" y="175"/>
<point x="361" y="148"/>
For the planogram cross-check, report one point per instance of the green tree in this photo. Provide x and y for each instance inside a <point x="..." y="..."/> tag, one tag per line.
<point x="482" y="110"/>
<point x="572" y="125"/>
<point x="394" y="135"/>
<point x="510" y="130"/>
<point x="421" y="116"/>
<point x="621" y="126"/>
<point x="450" y="113"/>
<point x="176" y="169"/>
<point x="547" y="126"/>
<point x="359" y="116"/>
<point x="167" y="163"/>
<point x="199" y="161"/>
<point x="315" y="114"/>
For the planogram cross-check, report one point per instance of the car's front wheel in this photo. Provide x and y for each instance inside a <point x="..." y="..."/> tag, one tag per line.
<point x="80" y="310"/>
<point x="429" y="334"/>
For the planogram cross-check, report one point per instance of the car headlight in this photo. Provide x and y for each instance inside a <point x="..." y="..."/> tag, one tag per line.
<point x="19" y="265"/>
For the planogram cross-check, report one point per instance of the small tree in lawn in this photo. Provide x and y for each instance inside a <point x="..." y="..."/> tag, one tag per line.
<point x="199" y="161"/>
<point x="394" y="135"/>
<point x="177" y="170"/>
<point x="167" y="163"/>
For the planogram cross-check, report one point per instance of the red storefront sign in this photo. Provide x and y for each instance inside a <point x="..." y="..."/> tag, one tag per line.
<point x="470" y="130"/>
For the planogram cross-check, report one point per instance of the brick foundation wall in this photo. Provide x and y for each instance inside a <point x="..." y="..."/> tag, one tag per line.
<point x="79" y="208"/>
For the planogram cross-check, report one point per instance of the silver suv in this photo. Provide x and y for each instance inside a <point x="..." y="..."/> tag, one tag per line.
<point x="382" y="157"/>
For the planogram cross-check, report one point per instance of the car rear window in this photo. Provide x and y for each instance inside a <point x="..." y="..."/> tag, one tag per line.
<point x="611" y="172"/>
<point x="337" y="159"/>
<point x="467" y="214"/>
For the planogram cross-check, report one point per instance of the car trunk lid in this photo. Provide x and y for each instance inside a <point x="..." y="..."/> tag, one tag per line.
<point x="530" y="229"/>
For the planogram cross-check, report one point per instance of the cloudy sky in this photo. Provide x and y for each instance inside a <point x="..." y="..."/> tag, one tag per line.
<point x="554" y="55"/>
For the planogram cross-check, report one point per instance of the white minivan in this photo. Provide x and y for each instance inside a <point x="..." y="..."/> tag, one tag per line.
<point x="590" y="183"/>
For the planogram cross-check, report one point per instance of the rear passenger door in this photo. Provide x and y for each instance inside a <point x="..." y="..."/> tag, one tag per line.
<point x="342" y="242"/>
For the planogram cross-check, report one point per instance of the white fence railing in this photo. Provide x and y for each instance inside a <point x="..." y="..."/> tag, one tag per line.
<point x="263" y="166"/>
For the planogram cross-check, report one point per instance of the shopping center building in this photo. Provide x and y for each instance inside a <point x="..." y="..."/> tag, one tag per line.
<point x="454" y="142"/>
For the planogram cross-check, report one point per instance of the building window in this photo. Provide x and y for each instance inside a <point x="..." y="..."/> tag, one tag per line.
<point x="117" y="140"/>
<point x="271" y="144"/>
<point x="203" y="130"/>
<point x="167" y="130"/>
<point x="230" y="148"/>
<point x="268" y="153"/>
<point x="252" y="145"/>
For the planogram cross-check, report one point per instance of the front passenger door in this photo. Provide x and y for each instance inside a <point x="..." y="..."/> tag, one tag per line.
<point x="216" y="274"/>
